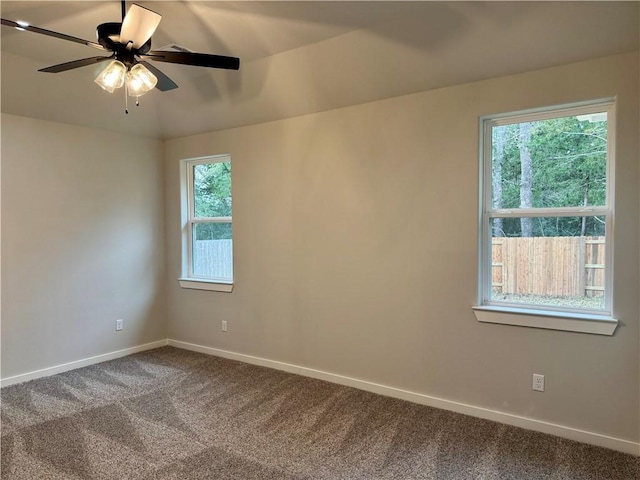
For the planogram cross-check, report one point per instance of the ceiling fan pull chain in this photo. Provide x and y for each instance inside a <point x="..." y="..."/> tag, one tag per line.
<point x="126" y="100"/>
<point x="137" y="101"/>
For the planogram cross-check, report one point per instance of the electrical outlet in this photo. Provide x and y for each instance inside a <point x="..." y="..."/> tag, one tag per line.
<point x="119" y="325"/>
<point x="224" y="325"/>
<point x="538" y="382"/>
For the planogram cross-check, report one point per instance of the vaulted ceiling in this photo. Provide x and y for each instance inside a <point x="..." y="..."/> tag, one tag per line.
<point x="297" y="57"/>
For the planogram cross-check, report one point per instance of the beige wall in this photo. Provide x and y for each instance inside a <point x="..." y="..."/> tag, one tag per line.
<point x="355" y="252"/>
<point x="82" y="243"/>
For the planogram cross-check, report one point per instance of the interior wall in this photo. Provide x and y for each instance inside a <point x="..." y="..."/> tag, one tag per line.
<point x="355" y="249"/>
<point x="82" y="243"/>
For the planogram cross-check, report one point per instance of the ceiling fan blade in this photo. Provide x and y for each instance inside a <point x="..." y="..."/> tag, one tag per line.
<point x="50" y="33"/>
<point x="196" y="59"/>
<point x="63" y="67"/>
<point x="164" y="82"/>
<point x="138" y="25"/>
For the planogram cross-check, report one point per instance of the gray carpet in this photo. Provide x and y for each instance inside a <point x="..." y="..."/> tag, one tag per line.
<point x="174" y="414"/>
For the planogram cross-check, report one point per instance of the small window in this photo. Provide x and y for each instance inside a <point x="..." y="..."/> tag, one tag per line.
<point x="207" y="223"/>
<point x="547" y="209"/>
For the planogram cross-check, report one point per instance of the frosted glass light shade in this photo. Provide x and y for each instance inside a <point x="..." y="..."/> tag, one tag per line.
<point x="140" y="80"/>
<point x="112" y="77"/>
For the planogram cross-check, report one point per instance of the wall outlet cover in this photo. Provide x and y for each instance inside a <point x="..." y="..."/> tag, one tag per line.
<point x="538" y="382"/>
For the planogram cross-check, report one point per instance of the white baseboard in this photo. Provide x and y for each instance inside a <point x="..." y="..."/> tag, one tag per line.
<point x="570" y="433"/>
<point x="65" y="367"/>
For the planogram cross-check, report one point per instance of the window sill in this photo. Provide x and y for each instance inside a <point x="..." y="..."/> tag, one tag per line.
<point x="200" y="284"/>
<point x="568" y="322"/>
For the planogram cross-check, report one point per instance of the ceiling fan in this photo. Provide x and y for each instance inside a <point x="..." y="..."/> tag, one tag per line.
<point x="130" y="45"/>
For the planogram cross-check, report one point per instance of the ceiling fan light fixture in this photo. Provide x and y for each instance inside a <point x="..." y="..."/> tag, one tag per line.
<point x="112" y="77"/>
<point x="129" y="42"/>
<point x="140" y="80"/>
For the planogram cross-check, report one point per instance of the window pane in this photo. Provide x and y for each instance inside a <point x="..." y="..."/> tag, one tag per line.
<point x="212" y="189"/>
<point x="213" y="251"/>
<point x="559" y="162"/>
<point x="563" y="264"/>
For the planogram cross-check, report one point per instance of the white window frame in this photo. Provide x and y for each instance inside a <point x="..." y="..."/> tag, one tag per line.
<point x="543" y="316"/>
<point x="188" y="279"/>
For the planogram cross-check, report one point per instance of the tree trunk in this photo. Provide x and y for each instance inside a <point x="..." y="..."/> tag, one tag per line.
<point x="499" y="136"/>
<point x="585" y="202"/>
<point x="526" y="177"/>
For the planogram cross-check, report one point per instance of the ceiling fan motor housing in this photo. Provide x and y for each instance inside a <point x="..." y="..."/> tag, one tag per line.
<point x="105" y="33"/>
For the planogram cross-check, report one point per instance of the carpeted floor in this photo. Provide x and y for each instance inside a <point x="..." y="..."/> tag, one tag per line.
<point x="174" y="414"/>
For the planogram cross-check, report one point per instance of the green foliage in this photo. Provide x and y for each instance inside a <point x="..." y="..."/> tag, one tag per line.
<point x="213" y="231"/>
<point x="212" y="198"/>
<point x="569" y="170"/>
<point x="212" y="189"/>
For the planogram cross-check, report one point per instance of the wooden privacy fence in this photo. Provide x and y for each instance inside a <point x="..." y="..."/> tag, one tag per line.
<point x="213" y="258"/>
<point x="558" y="266"/>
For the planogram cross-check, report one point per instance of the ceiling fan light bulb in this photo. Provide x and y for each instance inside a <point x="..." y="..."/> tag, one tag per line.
<point x="140" y="80"/>
<point x="112" y="77"/>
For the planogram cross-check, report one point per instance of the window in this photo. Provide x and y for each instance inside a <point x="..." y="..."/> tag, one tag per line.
<point x="547" y="215"/>
<point x="207" y="224"/>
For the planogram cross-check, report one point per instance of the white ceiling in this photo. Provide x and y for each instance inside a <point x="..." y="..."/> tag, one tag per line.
<point x="298" y="57"/>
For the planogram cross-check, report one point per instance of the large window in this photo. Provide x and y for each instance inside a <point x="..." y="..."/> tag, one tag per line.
<point x="547" y="209"/>
<point x="207" y="223"/>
